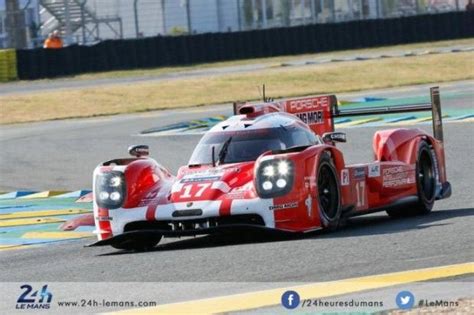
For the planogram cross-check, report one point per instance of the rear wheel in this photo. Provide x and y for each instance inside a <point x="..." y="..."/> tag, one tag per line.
<point x="425" y="183"/>
<point x="138" y="244"/>
<point x="328" y="193"/>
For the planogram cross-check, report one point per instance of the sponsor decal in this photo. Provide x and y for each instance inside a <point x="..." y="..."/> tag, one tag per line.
<point x="311" y="118"/>
<point x="195" y="179"/>
<point x="211" y="171"/>
<point x="30" y="299"/>
<point x="344" y="177"/>
<point x="337" y="136"/>
<point x="242" y="192"/>
<point x="398" y="176"/>
<point x="191" y="176"/>
<point x="374" y="170"/>
<point x="359" y="173"/>
<point x="308" y="104"/>
<point x="103" y="218"/>
<point x="284" y="206"/>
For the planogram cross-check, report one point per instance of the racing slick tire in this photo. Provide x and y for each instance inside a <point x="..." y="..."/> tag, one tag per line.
<point x="139" y="244"/>
<point x="425" y="183"/>
<point x="329" y="193"/>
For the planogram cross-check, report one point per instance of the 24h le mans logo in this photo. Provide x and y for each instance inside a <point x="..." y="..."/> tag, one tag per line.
<point x="29" y="299"/>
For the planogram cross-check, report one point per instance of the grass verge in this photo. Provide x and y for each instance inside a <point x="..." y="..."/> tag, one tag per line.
<point x="281" y="82"/>
<point x="272" y="61"/>
<point x="269" y="61"/>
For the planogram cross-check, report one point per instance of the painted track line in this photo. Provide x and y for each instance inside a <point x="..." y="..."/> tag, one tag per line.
<point x="29" y="221"/>
<point x="267" y="298"/>
<point x="14" y="247"/>
<point x="57" y="235"/>
<point x="42" y="213"/>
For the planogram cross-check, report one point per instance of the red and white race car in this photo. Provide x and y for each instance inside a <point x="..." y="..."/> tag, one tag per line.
<point x="273" y="165"/>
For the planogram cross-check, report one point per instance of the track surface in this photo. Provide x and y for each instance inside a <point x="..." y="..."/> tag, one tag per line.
<point x="62" y="154"/>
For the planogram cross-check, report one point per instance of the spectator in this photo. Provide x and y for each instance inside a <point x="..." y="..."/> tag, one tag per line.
<point x="470" y="6"/>
<point x="53" y="41"/>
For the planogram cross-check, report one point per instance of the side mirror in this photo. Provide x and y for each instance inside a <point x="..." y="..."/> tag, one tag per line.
<point x="139" y="150"/>
<point x="330" y="137"/>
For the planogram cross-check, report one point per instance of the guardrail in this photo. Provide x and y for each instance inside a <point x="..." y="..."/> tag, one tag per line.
<point x="181" y="50"/>
<point x="8" y="65"/>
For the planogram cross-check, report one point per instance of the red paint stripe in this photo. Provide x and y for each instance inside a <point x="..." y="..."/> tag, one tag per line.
<point x="224" y="208"/>
<point x="104" y="224"/>
<point x="151" y="212"/>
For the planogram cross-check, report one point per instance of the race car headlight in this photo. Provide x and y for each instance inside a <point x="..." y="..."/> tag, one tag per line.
<point x="274" y="178"/>
<point x="110" y="190"/>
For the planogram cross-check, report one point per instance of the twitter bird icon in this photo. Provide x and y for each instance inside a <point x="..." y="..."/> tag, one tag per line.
<point x="405" y="300"/>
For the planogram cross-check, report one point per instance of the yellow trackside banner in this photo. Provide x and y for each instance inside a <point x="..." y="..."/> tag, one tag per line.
<point x="8" y="69"/>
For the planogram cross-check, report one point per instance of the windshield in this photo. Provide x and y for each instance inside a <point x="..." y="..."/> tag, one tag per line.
<point x="248" y="145"/>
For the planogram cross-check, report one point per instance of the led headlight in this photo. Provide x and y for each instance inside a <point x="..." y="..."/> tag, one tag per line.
<point x="103" y="195"/>
<point x="115" y="181"/>
<point x="110" y="190"/>
<point x="281" y="183"/>
<point x="283" y="167"/>
<point x="115" y="196"/>
<point x="267" y="185"/>
<point x="274" y="178"/>
<point x="269" y="171"/>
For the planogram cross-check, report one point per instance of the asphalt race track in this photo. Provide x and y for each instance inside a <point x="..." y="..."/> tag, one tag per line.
<point x="62" y="155"/>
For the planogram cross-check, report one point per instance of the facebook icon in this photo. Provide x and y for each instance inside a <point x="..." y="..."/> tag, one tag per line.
<point x="290" y="299"/>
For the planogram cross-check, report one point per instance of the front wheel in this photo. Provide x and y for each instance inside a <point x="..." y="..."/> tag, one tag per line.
<point x="328" y="193"/>
<point x="425" y="183"/>
<point x="139" y="244"/>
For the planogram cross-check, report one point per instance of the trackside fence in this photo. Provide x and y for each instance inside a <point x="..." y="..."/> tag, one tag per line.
<point x="183" y="50"/>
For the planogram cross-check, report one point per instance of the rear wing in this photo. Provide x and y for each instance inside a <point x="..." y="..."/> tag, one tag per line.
<point x="319" y="112"/>
<point x="434" y="106"/>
